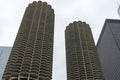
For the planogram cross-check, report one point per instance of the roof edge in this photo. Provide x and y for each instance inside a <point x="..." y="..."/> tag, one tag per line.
<point x="104" y="26"/>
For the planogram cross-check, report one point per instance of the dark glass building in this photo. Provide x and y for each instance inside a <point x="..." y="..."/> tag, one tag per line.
<point x="4" y="55"/>
<point x="108" y="48"/>
<point x="81" y="54"/>
<point x="32" y="53"/>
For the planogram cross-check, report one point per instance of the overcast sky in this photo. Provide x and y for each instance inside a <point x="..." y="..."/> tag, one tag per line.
<point x="93" y="12"/>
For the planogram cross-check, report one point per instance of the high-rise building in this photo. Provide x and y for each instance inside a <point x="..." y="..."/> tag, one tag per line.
<point x="108" y="48"/>
<point x="81" y="55"/>
<point x="4" y="55"/>
<point x="32" y="53"/>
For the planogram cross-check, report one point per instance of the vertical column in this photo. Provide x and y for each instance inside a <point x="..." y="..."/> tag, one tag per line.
<point x="25" y="67"/>
<point x="36" y="56"/>
<point x="95" y="64"/>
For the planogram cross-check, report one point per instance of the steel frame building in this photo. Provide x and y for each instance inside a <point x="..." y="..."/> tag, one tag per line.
<point x="108" y="48"/>
<point x="4" y="55"/>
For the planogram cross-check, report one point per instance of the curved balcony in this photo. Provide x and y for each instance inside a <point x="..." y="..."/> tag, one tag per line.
<point x="24" y="74"/>
<point x="33" y="76"/>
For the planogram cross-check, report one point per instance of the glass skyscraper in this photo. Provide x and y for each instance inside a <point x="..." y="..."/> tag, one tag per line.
<point x="32" y="53"/>
<point x="108" y="48"/>
<point x="4" y="55"/>
<point x="81" y="54"/>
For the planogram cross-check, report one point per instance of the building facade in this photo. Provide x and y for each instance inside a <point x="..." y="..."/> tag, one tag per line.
<point x="32" y="53"/>
<point x="4" y="55"/>
<point x="108" y="48"/>
<point x="81" y="55"/>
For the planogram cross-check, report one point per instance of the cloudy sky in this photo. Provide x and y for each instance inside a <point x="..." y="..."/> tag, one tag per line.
<point x="93" y="12"/>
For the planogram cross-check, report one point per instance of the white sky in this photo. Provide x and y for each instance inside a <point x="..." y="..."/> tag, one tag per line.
<point x="93" y="12"/>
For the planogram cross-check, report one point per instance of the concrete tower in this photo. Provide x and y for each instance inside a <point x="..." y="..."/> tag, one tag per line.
<point x="32" y="53"/>
<point x="81" y="56"/>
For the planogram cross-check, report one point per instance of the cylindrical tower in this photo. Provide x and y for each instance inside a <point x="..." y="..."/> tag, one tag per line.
<point x="32" y="52"/>
<point x="81" y="55"/>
